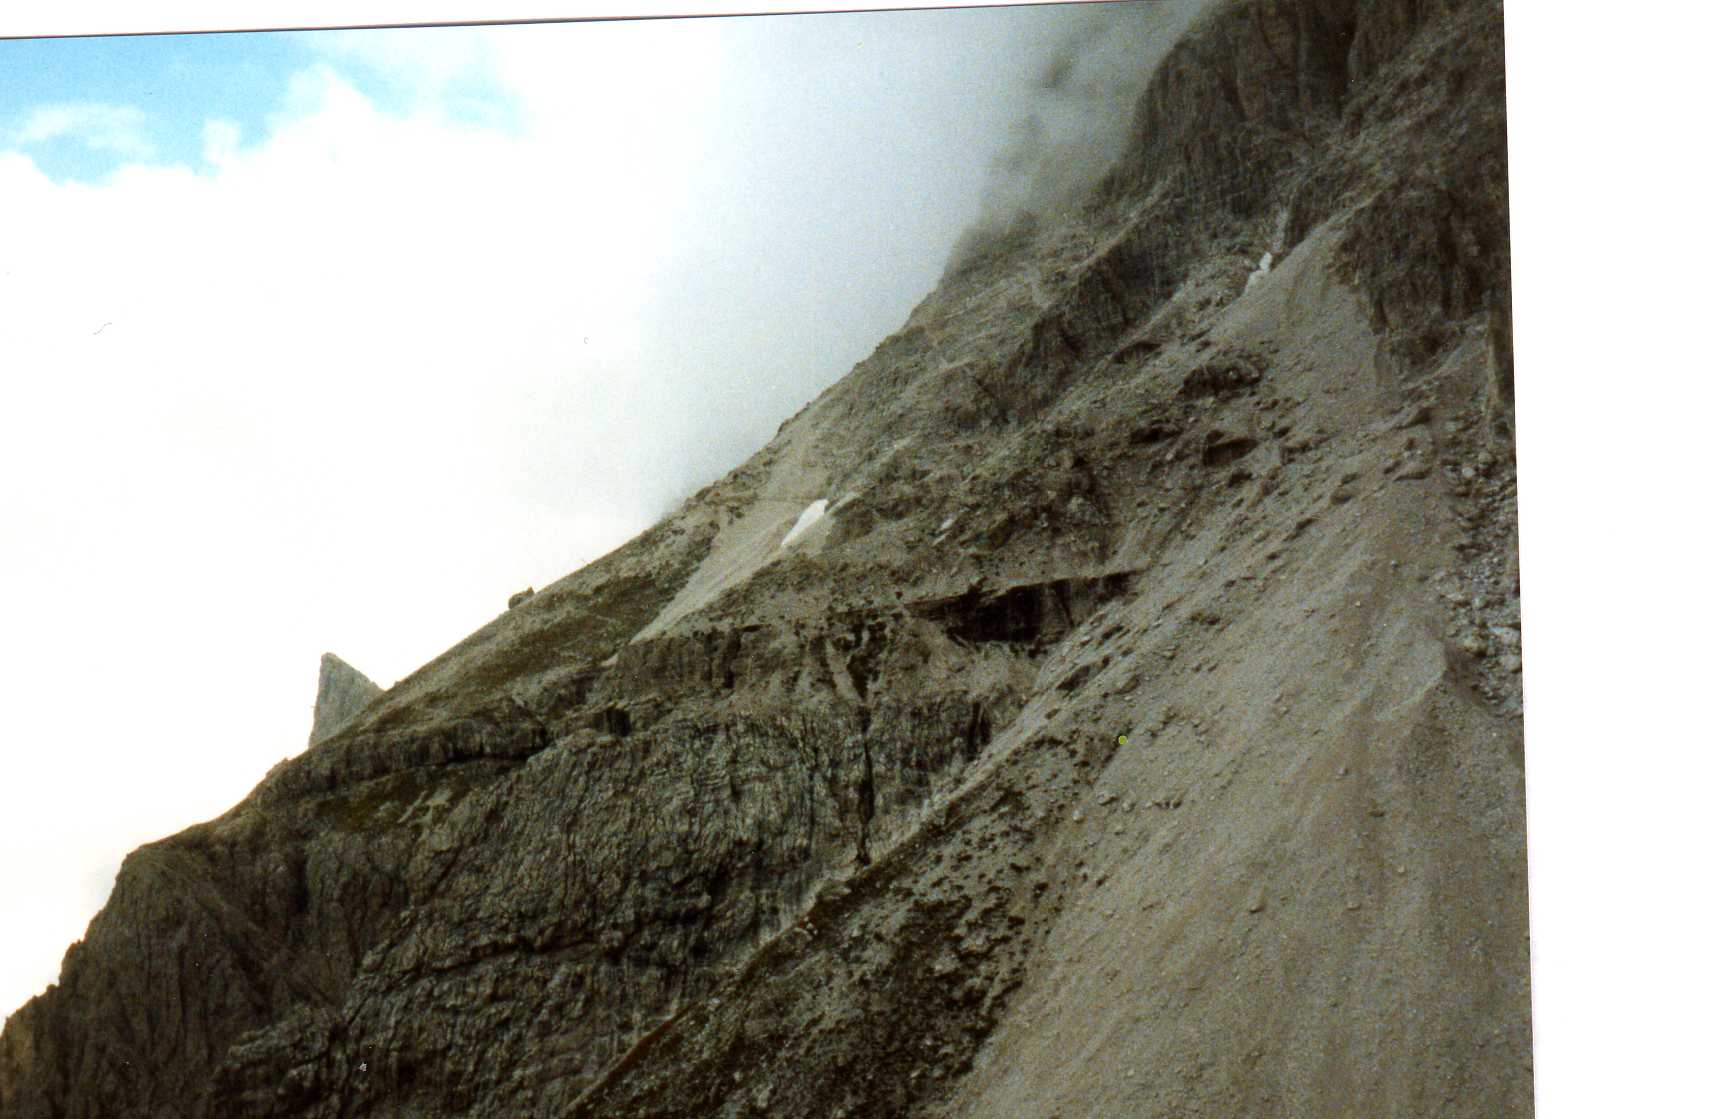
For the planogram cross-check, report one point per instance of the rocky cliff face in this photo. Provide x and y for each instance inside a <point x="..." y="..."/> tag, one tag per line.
<point x="342" y="693"/>
<point x="1135" y="731"/>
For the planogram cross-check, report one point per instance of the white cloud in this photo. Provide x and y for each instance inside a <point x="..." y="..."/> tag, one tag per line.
<point x="423" y="61"/>
<point x="221" y="142"/>
<point x="120" y="129"/>
<point x="286" y="404"/>
<point x="349" y="385"/>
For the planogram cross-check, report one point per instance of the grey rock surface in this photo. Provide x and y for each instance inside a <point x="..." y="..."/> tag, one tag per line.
<point x="1086" y="755"/>
<point x="343" y="693"/>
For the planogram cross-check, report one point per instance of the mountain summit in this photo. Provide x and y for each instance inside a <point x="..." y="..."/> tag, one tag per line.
<point x="1103" y="700"/>
<point x="342" y="693"/>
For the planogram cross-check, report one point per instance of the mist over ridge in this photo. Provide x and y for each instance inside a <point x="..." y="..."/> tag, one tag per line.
<point x="1080" y="104"/>
<point x="1101" y="694"/>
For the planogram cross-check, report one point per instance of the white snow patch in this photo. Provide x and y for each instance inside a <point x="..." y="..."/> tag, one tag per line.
<point x="948" y="521"/>
<point x="812" y="514"/>
<point x="1261" y="271"/>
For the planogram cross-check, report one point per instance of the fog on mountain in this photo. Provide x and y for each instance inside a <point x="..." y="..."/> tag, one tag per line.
<point x="1104" y="699"/>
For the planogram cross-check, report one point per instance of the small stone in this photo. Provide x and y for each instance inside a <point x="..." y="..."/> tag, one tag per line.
<point x="1414" y="416"/>
<point x="1076" y="816"/>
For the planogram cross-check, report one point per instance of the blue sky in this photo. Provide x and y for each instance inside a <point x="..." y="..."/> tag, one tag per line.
<point x="98" y="103"/>
<point x="82" y="107"/>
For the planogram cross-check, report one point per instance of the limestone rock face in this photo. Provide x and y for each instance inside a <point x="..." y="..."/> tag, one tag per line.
<point x="1137" y="731"/>
<point x="343" y="692"/>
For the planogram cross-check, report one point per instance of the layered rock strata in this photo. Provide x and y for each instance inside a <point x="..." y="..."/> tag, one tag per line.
<point x="1135" y="732"/>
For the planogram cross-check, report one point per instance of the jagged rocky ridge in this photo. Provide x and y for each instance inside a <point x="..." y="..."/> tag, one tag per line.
<point x="1136" y="732"/>
<point x="342" y="693"/>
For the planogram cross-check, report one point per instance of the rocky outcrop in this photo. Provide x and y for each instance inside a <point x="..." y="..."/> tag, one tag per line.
<point x="1137" y="731"/>
<point x="343" y="693"/>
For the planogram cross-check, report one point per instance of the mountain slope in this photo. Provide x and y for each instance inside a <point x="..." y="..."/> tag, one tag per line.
<point x="1132" y="730"/>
